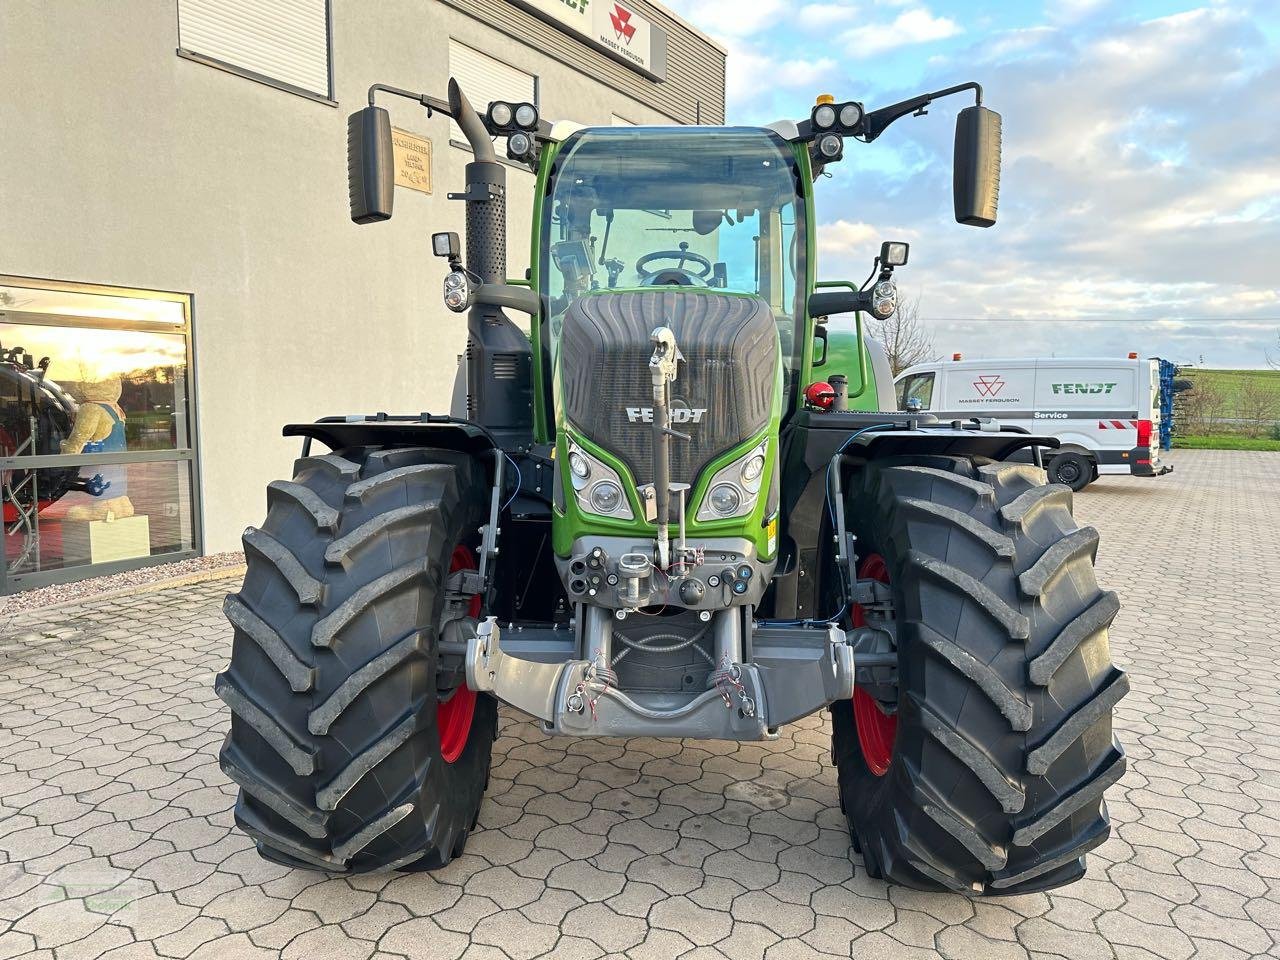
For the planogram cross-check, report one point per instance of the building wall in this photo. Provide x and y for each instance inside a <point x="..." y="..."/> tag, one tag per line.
<point x="122" y="163"/>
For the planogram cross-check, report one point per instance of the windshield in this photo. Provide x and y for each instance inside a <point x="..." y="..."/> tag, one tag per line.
<point x="635" y="207"/>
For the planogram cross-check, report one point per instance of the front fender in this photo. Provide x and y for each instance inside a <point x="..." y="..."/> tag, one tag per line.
<point x="810" y="441"/>
<point x="382" y="430"/>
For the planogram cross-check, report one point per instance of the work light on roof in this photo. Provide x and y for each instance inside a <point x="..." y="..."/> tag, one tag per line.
<point x="526" y="116"/>
<point x="501" y="113"/>
<point x="850" y="115"/>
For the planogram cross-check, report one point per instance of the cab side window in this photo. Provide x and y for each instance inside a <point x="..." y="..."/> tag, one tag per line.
<point x="918" y="386"/>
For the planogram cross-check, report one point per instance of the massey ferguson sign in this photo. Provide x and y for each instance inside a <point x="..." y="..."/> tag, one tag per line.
<point x="615" y="27"/>
<point x="990" y="389"/>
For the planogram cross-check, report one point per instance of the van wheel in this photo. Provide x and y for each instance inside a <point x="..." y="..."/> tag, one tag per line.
<point x="1073" y="469"/>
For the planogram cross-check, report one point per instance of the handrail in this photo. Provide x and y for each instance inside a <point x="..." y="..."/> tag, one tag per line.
<point x="862" y="353"/>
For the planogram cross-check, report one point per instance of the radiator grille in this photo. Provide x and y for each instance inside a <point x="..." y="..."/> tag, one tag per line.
<point x="730" y="345"/>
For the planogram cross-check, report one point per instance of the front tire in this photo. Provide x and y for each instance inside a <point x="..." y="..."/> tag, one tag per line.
<point x="347" y="756"/>
<point x="1003" y="744"/>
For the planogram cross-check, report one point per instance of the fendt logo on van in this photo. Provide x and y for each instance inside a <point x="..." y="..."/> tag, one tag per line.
<point x="1090" y="388"/>
<point x="681" y="412"/>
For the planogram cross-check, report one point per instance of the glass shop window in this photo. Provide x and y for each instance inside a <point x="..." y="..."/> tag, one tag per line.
<point x="97" y="437"/>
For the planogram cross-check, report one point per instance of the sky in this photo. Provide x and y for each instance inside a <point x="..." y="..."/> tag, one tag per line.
<point x="1140" y="192"/>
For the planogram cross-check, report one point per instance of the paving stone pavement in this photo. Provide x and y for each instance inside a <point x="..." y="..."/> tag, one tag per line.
<point x="116" y="836"/>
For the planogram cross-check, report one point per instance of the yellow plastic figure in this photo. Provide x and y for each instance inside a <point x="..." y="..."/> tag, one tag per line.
<point x="99" y="428"/>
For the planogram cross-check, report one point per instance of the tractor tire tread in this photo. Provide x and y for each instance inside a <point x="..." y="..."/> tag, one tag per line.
<point x="309" y="590"/>
<point x="325" y="516"/>
<point x="300" y="676"/>
<point x="1092" y="621"/>
<point x="331" y="686"/>
<point x="997" y="608"/>
<point x="1004" y="742"/>
<point x="1057" y="560"/>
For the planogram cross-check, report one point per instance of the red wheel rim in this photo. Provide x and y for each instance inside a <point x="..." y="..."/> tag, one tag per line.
<point x="453" y="716"/>
<point x="877" y="730"/>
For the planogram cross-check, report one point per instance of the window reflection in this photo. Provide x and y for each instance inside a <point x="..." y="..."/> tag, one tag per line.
<point x="89" y="375"/>
<point x="71" y="303"/>
<point x="150" y="518"/>
<point x="139" y="377"/>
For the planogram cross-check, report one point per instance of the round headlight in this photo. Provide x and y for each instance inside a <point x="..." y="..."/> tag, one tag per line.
<point x="725" y="499"/>
<point x="578" y="465"/>
<point x="606" y="497"/>
<point x="752" y="469"/>
<point x="526" y="115"/>
<point x="457" y="297"/>
<point x="824" y="116"/>
<point x="500" y="113"/>
<point x="454" y="279"/>
<point x="830" y="145"/>
<point x="519" y="144"/>
<point x="850" y="114"/>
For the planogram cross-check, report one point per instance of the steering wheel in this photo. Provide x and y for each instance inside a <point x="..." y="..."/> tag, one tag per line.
<point x="678" y="275"/>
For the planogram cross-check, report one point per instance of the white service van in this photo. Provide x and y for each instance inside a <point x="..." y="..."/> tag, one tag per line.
<point x="1104" y="411"/>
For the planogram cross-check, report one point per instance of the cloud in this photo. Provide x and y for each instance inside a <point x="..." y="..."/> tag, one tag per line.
<point x="814" y="16"/>
<point x="909" y="28"/>
<point x="843" y="238"/>
<point x="732" y="18"/>
<point x="747" y="62"/>
<point x="1139" y="186"/>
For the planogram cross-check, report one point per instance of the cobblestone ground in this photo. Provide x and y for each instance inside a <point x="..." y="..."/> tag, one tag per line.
<point x="116" y="835"/>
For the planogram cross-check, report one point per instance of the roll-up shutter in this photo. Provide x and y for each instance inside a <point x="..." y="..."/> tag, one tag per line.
<point x="286" y="41"/>
<point x="484" y="79"/>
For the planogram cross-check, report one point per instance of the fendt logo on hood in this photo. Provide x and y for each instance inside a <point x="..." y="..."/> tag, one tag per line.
<point x="681" y="412"/>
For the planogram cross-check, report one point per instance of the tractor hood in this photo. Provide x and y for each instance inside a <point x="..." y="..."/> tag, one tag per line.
<point x="724" y="392"/>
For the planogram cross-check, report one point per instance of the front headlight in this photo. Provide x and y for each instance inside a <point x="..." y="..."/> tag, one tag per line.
<point x="734" y="488"/>
<point x="597" y="486"/>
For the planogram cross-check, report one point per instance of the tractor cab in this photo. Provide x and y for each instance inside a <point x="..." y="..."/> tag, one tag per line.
<point x="700" y="209"/>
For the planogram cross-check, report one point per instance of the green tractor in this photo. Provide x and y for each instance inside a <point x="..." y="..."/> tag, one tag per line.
<point x="651" y="516"/>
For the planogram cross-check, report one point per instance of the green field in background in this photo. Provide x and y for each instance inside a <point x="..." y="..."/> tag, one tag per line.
<point x="1227" y="382"/>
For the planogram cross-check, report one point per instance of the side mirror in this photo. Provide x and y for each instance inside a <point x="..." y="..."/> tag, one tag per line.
<point x="370" y="166"/>
<point x="976" y="166"/>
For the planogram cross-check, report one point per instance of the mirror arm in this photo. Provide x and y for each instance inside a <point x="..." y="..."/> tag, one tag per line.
<point x="877" y="121"/>
<point x="431" y="103"/>
<point x="476" y="134"/>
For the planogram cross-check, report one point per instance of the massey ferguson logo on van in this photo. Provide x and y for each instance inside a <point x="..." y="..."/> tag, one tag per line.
<point x="679" y="414"/>
<point x="989" y="385"/>
<point x="1092" y="388"/>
